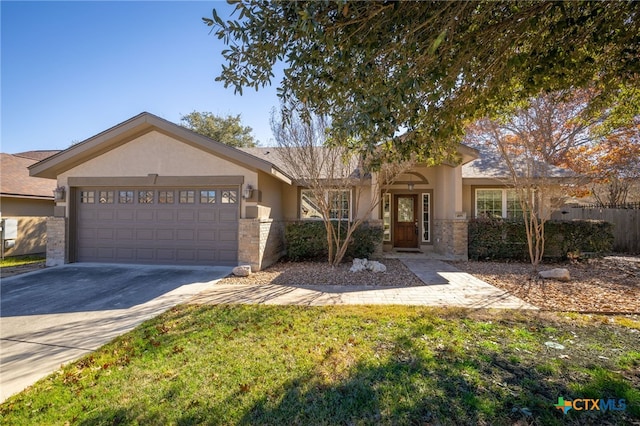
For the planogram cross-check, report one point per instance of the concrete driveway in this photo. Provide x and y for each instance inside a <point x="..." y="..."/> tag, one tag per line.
<point x="53" y="316"/>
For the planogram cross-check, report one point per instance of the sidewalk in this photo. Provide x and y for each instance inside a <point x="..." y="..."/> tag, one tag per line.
<point x="446" y="286"/>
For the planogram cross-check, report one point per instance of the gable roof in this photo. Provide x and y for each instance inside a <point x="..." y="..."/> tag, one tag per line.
<point x="490" y="165"/>
<point x="16" y="181"/>
<point x="137" y="126"/>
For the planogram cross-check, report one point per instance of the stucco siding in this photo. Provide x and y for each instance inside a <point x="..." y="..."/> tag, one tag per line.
<point x="157" y="153"/>
<point x="270" y="196"/>
<point x="290" y="202"/>
<point x="12" y="206"/>
<point x="32" y="236"/>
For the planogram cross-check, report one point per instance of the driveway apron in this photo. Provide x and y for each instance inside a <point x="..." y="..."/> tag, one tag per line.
<point x="53" y="316"/>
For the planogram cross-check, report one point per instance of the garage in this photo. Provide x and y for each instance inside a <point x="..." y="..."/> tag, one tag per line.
<point x="151" y="225"/>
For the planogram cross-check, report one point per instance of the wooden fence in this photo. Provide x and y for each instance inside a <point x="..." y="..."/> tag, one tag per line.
<point x="626" y="221"/>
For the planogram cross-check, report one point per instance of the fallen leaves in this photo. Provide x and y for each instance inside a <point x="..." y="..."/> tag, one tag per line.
<point x="607" y="285"/>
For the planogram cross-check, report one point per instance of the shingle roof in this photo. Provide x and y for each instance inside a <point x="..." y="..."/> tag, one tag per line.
<point x="491" y="165"/>
<point x="36" y="155"/>
<point x="15" y="179"/>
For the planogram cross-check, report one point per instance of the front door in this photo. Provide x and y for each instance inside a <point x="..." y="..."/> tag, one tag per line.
<point x="405" y="223"/>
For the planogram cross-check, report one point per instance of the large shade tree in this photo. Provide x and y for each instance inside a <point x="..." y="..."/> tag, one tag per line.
<point x="228" y="130"/>
<point x="418" y="72"/>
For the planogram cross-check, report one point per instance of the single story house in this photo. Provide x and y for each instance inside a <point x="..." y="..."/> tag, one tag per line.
<point x="150" y="191"/>
<point x="25" y="203"/>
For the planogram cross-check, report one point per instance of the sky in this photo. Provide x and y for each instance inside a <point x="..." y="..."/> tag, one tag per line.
<point x="70" y="70"/>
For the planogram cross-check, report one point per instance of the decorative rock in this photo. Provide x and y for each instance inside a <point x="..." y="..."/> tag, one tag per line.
<point x="560" y="274"/>
<point x="359" y="265"/>
<point x="554" y="345"/>
<point x="375" y="266"/>
<point x="242" y="271"/>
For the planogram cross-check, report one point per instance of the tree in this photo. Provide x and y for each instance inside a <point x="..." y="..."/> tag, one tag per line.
<point x="529" y="143"/>
<point x="611" y="161"/>
<point x="416" y="73"/>
<point x="329" y="171"/>
<point x="228" y="130"/>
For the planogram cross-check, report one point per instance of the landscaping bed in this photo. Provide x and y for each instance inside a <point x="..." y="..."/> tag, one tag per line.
<point x="606" y="285"/>
<point x="321" y="273"/>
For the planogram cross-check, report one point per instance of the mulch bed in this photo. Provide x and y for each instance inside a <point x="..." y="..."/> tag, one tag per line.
<point x="606" y="285"/>
<point x="321" y="273"/>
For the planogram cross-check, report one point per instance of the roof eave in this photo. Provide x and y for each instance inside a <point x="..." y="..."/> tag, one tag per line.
<point x="134" y="127"/>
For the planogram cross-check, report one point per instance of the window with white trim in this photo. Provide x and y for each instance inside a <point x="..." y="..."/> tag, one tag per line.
<point x="386" y="217"/>
<point x="426" y="214"/>
<point x="498" y="202"/>
<point x="339" y="202"/>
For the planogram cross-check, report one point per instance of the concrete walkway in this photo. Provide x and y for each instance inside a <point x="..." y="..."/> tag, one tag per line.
<point x="444" y="286"/>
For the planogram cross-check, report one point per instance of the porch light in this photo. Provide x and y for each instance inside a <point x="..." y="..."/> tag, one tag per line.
<point x="59" y="193"/>
<point x="410" y="186"/>
<point x="248" y="191"/>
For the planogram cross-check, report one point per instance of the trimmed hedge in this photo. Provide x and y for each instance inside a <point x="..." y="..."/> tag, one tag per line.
<point x="307" y="240"/>
<point x="501" y="239"/>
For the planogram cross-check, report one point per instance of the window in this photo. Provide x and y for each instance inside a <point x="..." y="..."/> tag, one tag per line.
<point x="339" y="203"/>
<point x="426" y="204"/>
<point x="309" y="208"/>
<point x="187" y="197"/>
<point x="207" y="197"/>
<point x="145" y="197"/>
<point x="125" y="197"/>
<point x="514" y="209"/>
<point x="105" y="197"/>
<point x="229" y="197"/>
<point x="165" y="197"/>
<point x="498" y="203"/>
<point x="386" y="217"/>
<point x="87" y="197"/>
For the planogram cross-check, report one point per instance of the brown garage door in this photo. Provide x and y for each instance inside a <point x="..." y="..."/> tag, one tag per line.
<point x="185" y="226"/>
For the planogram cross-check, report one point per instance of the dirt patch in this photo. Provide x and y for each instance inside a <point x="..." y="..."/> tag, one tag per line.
<point x="317" y="273"/>
<point x="10" y="271"/>
<point x="607" y="285"/>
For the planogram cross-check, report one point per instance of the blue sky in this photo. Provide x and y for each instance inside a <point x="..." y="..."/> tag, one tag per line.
<point x="72" y="69"/>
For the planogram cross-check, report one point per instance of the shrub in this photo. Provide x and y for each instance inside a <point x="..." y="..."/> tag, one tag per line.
<point x="501" y="239"/>
<point x="307" y="240"/>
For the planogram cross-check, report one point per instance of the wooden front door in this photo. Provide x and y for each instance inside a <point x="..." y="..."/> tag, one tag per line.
<point x="405" y="222"/>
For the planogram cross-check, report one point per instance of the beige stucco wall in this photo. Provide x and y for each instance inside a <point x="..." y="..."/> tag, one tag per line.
<point x="444" y="182"/>
<point x="12" y="206"/>
<point x="31" y="238"/>
<point x="270" y="200"/>
<point x="157" y="153"/>
<point x="467" y="201"/>
<point x="290" y="202"/>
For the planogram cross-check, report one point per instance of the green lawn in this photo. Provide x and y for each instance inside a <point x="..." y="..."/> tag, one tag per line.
<point x="344" y="365"/>
<point x="20" y="260"/>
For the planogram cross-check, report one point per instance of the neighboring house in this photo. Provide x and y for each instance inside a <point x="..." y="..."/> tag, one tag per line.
<point x="150" y="191"/>
<point x="25" y="201"/>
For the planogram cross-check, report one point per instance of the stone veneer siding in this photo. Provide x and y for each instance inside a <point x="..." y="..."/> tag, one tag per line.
<point x="450" y="237"/>
<point x="260" y="242"/>
<point x="56" y="241"/>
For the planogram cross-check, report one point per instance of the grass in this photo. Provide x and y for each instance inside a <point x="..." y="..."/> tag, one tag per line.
<point x="343" y="365"/>
<point x="20" y="260"/>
